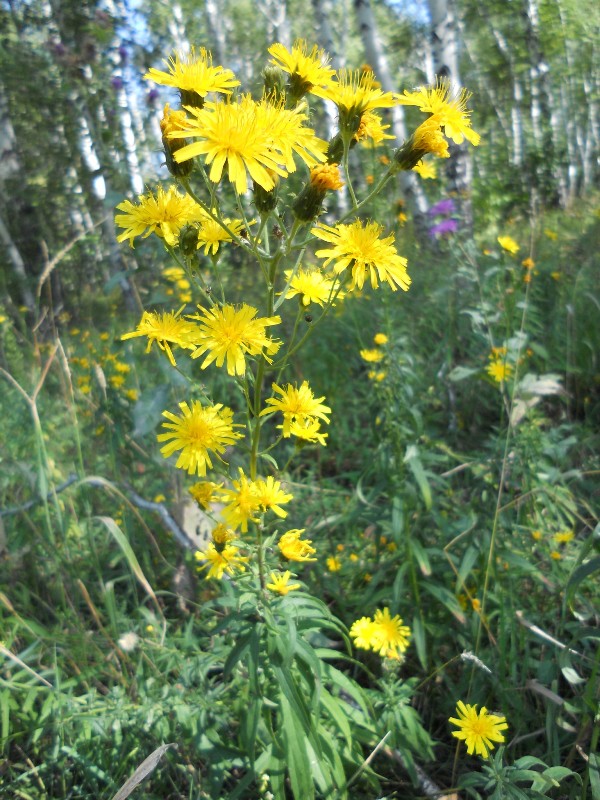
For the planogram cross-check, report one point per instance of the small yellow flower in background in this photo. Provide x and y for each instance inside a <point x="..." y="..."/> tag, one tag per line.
<point x="361" y="249"/>
<point x="333" y="563"/>
<point x="426" y="169"/>
<point x="369" y="180"/>
<point x="497" y="352"/>
<point x="297" y="405"/>
<point x="270" y="496"/>
<point x="447" y="106"/>
<point x="165" y="214"/>
<point x="280" y="583"/>
<point x="372" y="356"/>
<point x="555" y="555"/>
<point x="121" y="366"/>
<point x="556" y="275"/>
<point x="242" y="503"/>
<point x="211" y="234"/>
<point x="380" y="339"/>
<point x="499" y="371"/>
<point x="194" y="73"/>
<point x="294" y="548"/>
<point x="74" y="331"/>
<point x="165" y="329"/>
<point x="311" y="285"/>
<point x="372" y="375"/>
<point x="371" y="130"/>
<point x="131" y="394"/>
<point x="205" y="493"/>
<point x="478" y="731"/>
<point x="537" y="535"/>
<point x="353" y="557"/>
<point x="149" y="628"/>
<point x="383" y="634"/>
<point x="104" y="337"/>
<point x="563" y="537"/>
<point x="508" y="243"/>
<point x="550" y="234"/>
<point x="228" y="334"/>
<point x="159" y="498"/>
<point x="528" y="263"/>
<point x="306" y="69"/>
<point x="340" y="547"/>
<point x="227" y="560"/>
<point x="199" y="430"/>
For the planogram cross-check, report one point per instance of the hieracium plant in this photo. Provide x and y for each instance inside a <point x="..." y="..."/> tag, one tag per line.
<point x="230" y="155"/>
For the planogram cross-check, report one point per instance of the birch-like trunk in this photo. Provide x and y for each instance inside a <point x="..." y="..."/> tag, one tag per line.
<point x="445" y="49"/>
<point x="375" y="55"/>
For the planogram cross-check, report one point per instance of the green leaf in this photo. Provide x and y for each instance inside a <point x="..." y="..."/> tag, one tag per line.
<point x="127" y="549"/>
<point x="414" y="462"/>
<point x="298" y="763"/>
<point x="418" y="632"/>
<point x="594" y="773"/>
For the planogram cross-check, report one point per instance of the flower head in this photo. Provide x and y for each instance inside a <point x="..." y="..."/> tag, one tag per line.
<point x="508" y="243"/>
<point x="227" y="560"/>
<point x="297" y="404"/>
<point x="199" y="430"/>
<point x="371" y="130"/>
<point x="228" y="334"/>
<point x="383" y="634"/>
<point x="255" y="139"/>
<point x="242" y="502"/>
<point x="308" y="430"/>
<point x="306" y="69"/>
<point x="478" y="731"/>
<point x="499" y="370"/>
<point x="194" y="75"/>
<point x="280" y="583"/>
<point x="164" y="214"/>
<point x="426" y="169"/>
<point x="165" y="328"/>
<point x="270" y="495"/>
<point x="391" y="635"/>
<point x="205" y="493"/>
<point x="363" y="632"/>
<point x="326" y="177"/>
<point x="310" y="285"/>
<point x="373" y="356"/>
<point x="333" y="564"/>
<point x="361" y="249"/>
<point x="448" y="106"/>
<point x="295" y="548"/>
<point x="380" y="339"/>
<point x="212" y="234"/>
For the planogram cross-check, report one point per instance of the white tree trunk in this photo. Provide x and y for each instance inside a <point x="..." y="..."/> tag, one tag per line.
<point x="375" y="55"/>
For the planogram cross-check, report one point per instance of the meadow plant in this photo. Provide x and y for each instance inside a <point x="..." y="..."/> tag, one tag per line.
<point x="233" y="159"/>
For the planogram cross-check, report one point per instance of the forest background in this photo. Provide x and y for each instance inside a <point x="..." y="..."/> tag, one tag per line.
<point x="459" y="484"/>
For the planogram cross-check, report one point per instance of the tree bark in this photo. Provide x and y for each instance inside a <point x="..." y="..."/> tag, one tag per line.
<point x="375" y="55"/>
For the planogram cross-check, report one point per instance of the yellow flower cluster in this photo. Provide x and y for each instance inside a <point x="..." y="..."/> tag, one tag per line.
<point x="383" y="634"/>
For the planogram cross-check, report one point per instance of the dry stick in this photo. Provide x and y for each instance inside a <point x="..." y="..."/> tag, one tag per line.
<point x="178" y="532"/>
